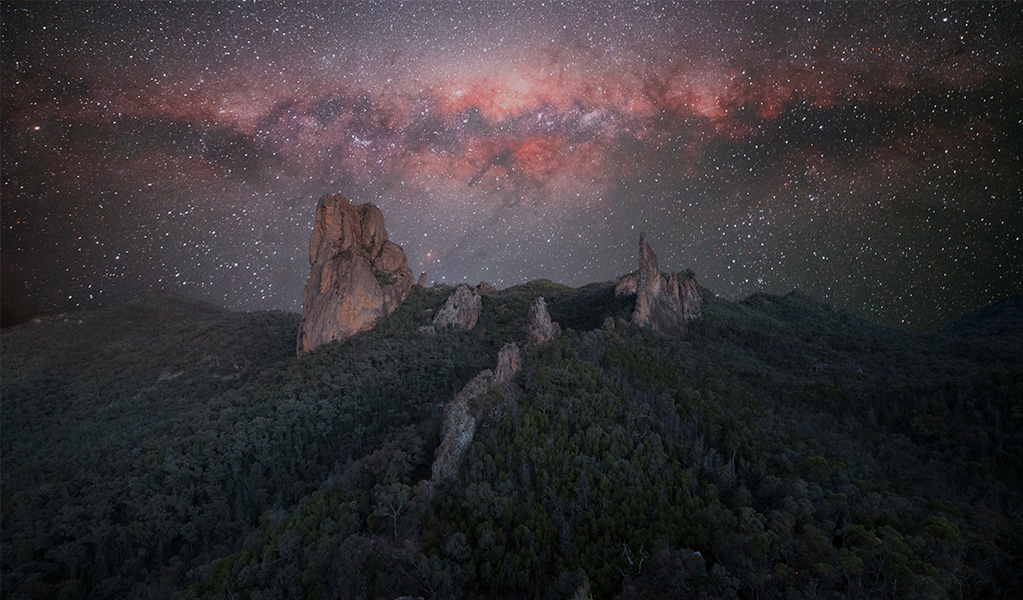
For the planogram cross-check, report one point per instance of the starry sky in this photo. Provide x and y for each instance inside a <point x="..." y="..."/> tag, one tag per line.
<point x="865" y="154"/>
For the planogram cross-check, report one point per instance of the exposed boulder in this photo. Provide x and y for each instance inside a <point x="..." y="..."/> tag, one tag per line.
<point x="357" y="275"/>
<point x="664" y="305"/>
<point x="422" y="279"/>
<point x="539" y="328"/>
<point x="485" y="287"/>
<point x="461" y="311"/>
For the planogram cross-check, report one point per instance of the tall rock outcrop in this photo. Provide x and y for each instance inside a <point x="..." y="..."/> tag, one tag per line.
<point x="666" y="305"/>
<point x="461" y="311"/>
<point x="539" y="327"/>
<point x="357" y="275"/>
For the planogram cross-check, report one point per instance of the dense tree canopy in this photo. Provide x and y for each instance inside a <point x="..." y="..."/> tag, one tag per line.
<point x="779" y="450"/>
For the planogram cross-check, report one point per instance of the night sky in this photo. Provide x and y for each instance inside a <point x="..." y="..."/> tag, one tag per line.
<point x="867" y="155"/>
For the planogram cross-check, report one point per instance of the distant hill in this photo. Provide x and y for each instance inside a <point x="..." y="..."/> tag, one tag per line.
<point x="1003" y="318"/>
<point x="169" y="448"/>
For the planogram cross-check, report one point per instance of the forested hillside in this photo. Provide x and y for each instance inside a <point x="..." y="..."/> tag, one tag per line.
<point x="167" y="448"/>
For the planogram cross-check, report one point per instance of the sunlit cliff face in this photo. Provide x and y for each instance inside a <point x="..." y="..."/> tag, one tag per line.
<point x="861" y="153"/>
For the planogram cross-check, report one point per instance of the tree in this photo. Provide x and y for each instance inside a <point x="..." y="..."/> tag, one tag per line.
<point x="391" y="501"/>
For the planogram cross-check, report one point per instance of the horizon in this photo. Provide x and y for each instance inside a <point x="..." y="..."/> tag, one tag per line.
<point x="452" y="285"/>
<point x="861" y="154"/>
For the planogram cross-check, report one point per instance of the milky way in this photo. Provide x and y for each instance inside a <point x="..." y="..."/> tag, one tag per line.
<point x="867" y="155"/>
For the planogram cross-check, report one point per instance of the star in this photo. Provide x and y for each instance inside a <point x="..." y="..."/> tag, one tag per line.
<point x="860" y="153"/>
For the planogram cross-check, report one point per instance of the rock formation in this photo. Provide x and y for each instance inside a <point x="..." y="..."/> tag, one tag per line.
<point x="422" y="279"/>
<point x="626" y="286"/>
<point x="461" y="311"/>
<point x="357" y="275"/>
<point x="539" y="328"/>
<point x="683" y="287"/>
<point x="664" y="305"/>
<point x="508" y="360"/>
<point x="485" y="287"/>
<point x="458" y="428"/>
<point x="459" y="424"/>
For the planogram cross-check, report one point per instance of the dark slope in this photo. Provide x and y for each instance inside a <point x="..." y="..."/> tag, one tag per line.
<point x="779" y="450"/>
<point x="1000" y="319"/>
<point x="992" y="335"/>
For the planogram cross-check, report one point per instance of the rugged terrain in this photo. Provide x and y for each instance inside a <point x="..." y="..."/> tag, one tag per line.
<point x="778" y="449"/>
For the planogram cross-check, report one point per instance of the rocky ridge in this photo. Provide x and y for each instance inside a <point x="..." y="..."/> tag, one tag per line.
<point x="461" y="415"/>
<point x="664" y="304"/>
<point x="357" y="274"/>
<point x="459" y="425"/>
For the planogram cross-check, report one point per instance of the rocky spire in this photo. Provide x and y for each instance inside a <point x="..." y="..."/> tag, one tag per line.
<point x="649" y="283"/>
<point x="357" y="275"/>
<point x="663" y="304"/>
<point x="508" y="361"/>
<point x="539" y="328"/>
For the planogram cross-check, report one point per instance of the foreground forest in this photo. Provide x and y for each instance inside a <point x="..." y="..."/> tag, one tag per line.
<point x="168" y="448"/>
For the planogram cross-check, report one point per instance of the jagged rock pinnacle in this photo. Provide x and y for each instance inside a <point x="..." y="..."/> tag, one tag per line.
<point x="539" y="328"/>
<point x="666" y="305"/>
<point x="508" y="361"/>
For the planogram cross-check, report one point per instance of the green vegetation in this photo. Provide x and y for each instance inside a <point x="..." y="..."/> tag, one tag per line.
<point x="169" y="448"/>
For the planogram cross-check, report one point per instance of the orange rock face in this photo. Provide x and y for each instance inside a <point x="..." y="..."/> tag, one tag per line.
<point x="357" y="275"/>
